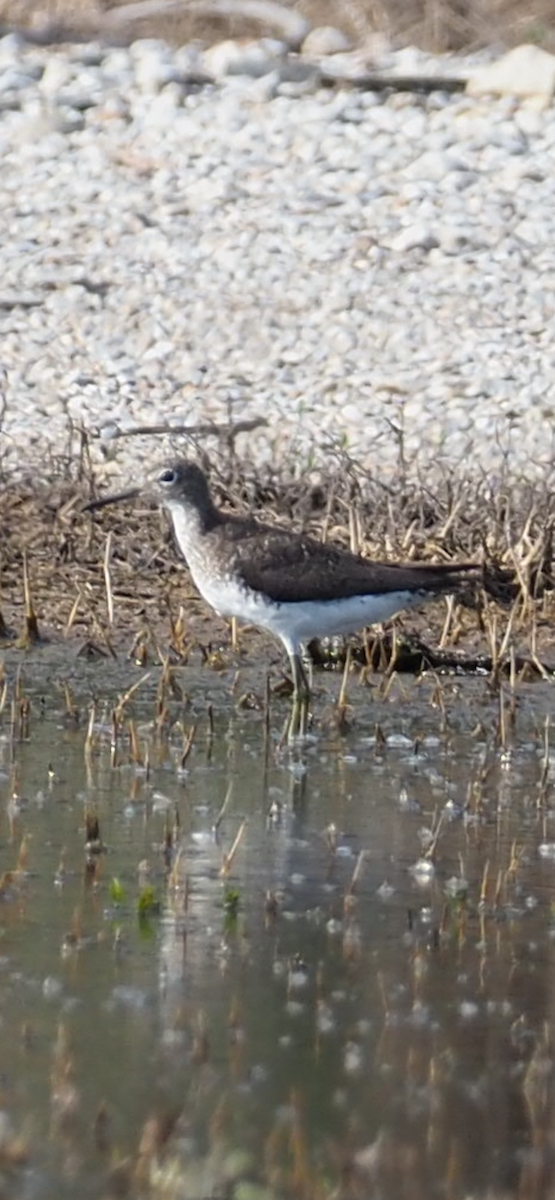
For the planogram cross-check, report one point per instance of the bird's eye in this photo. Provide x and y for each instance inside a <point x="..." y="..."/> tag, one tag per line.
<point x="167" y="476"/>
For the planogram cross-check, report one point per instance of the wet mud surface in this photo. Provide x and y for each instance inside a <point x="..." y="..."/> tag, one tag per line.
<point x="113" y="584"/>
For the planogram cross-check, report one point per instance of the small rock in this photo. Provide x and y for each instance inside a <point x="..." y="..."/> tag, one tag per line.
<point x="146" y="47"/>
<point x="79" y="101"/>
<point x="525" y="71"/>
<point x="11" y="46"/>
<point x="15" y="81"/>
<point x="454" y="240"/>
<point x="345" y="64"/>
<point x="57" y="74"/>
<point x="414" y="237"/>
<point x="90" y="55"/>
<point x="152" y="74"/>
<point x="294" y="70"/>
<point x="254" y="58"/>
<point x="529" y="121"/>
<point x="324" y="40"/>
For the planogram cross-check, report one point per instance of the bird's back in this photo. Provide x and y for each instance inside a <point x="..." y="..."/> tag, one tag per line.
<point x="287" y="566"/>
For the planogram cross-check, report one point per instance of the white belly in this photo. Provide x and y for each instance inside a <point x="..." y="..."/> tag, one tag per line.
<point x="299" y="621"/>
<point x="324" y="618"/>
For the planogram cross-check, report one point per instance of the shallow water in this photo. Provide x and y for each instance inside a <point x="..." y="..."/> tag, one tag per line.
<point x="341" y="1014"/>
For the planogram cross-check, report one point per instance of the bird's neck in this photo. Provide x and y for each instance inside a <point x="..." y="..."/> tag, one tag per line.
<point x="190" y="523"/>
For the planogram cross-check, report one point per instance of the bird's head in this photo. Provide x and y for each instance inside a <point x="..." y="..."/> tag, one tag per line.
<point x="176" y="483"/>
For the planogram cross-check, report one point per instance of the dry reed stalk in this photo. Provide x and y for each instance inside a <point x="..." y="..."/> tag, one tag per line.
<point x="342" y="698"/>
<point x="267" y="709"/>
<point x="174" y="882"/>
<point x="114" y="738"/>
<point x="438" y="822"/>
<point x="484" y="883"/>
<point x="89" y="740"/>
<point x="227" y="859"/>
<point x="73" y="613"/>
<point x="123" y="700"/>
<point x="355" y="877"/>
<point x="534" y="657"/>
<point x="210" y="716"/>
<point x="449" y="601"/>
<point x="223" y="808"/>
<point x="136" y="756"/>
<point x="502" y="727"/>
<point x="386" y="684"/>
<point x="108" y="579"/>
<point x="188" y="742"/>
<point x="31" y="623"/>
<point x="544" y="775"/>
<point x="234" y="637"/>
<point x="355" y="539"/>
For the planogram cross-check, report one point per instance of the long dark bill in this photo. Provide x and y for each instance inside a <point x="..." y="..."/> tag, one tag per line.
<point x="114" y="499"/>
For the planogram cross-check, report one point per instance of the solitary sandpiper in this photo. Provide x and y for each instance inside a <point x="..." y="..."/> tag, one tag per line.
<point x="283" y="581"/>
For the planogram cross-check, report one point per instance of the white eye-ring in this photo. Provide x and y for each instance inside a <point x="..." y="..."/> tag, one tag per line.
<point x="167" y="476"/>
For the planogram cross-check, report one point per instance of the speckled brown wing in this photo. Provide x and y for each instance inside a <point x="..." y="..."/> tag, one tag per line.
<point x="286" y="567"/>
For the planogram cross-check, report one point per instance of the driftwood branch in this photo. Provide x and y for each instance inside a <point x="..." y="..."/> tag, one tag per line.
<point x="410" y="655"/>
<point x="231" y="430"/>
<point x="333" y="76"/>
<point x="292" y="27"/>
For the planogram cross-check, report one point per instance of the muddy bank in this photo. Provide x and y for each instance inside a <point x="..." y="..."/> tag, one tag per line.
<point x="112" y="584"/>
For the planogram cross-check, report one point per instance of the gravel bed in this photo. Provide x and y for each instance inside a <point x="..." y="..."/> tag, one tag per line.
<point x="355" y="268"/>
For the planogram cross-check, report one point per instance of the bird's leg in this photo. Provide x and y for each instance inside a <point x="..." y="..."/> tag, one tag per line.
<point x="301" y="699"/>
<point x="300" y="677"/>
<point x="304" y="697"/>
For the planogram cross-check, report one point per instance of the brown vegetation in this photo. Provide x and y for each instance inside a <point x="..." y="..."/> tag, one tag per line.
<point x="115" y="579"/>
<point x="437" y="25"/>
